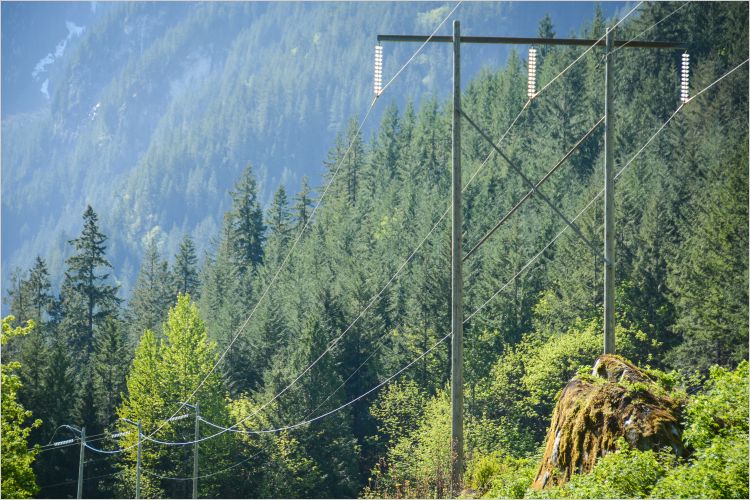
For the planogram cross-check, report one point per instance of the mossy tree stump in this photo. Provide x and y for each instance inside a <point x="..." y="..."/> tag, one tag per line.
<point x="593" y="412"/>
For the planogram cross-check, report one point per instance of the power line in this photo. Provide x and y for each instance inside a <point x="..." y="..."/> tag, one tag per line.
<point x="393" y="277"/>
<point x="216" y="473"/>
<point x="526" y="266"/>
<point x="366" y="308"/>
<point x="299" y="235"/>
<point x="532" y="190"/>
<point x="675" y="11"/>
<point x="416" y="53"/>
<point x="589" y="49"/>
<point x="591" y="202"/>
<point x="73" y="481"/>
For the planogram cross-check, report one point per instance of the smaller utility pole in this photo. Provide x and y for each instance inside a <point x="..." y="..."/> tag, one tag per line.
<point x="138" y="465"/>
<point x="195" y="450"/>
<point x="79" y="492"/>
<point x="138" y="457"/>
<point x="609" y="206"/>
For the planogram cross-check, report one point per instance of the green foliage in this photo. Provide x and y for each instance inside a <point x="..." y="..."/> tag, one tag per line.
<point x="626" y="473"/>
<point x="18" y="480"/>
<point x="152" y="295"/>
<point x="185" y="271"/>
<point x="682" y="269"/>
<point x="398" y="409"/>
<point x="245" y="222"/>
<point x="155" y="387"/>
<point x="526" y="380"/>
<point x="499" y="475"/>
<point x="718" y="471"/>
<point x="722" y="409"/>
<point x="716" y="426"/>
<point x="89" y="299"/>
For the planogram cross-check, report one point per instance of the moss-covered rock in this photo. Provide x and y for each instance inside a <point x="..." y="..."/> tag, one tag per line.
<point x="617" y="400"/>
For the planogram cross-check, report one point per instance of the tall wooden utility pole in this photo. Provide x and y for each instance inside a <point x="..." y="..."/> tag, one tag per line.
<point x="457" y="457"/>
<point x="79" y="489"/>
<point x="609" y="207"/>
<point x="457" y="309"/>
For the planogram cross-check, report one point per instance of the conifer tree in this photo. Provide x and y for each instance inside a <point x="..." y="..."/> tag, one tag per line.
<point x="302" y="205"/>
<point x="39" y="289"/>
<point x="152" y="294"/>
<point x="17" y="299"/>
<point x="185" y="269"/>
<point x="87" y="281"/>
<point x="111" y="360"/>
<point x="279" y="223"/>
<point x="245" y="221"/>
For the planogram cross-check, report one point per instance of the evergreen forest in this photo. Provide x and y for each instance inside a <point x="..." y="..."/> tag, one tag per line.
<point x="310" y="338"/>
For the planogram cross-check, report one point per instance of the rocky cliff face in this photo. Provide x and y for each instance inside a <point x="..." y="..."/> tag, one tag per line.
<point x="594" y="412"/>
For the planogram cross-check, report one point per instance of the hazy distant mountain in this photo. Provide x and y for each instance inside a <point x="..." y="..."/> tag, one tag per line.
<point x="149" y="111"/>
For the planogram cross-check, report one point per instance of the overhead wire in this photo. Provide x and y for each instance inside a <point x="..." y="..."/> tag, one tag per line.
<point x="300" y="233"/>
<point x="393" y="277"/>
<point x="203" y="476"/>
<point x="601" y="192"/>
<point x="388" y="283"/>
<point x="634" y="38"/>
<point x="483" y="305"/>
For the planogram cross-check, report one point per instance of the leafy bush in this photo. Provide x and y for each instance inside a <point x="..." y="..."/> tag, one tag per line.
<point x="499" y="475"/>
<point x="716" y="426"/>
<point x="627" y="473"/>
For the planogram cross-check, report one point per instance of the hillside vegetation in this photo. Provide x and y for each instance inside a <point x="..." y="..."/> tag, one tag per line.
<point x="368" y="280"/>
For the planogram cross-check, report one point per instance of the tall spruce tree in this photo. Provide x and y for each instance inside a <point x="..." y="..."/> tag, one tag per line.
<point x="39" y="289"/>
<point x="245" y="221"/>
<point x="302" y="205"/>
<point x="87" y="283"/>
<point x="152" y="294"/>
<point x="185" y="270"/>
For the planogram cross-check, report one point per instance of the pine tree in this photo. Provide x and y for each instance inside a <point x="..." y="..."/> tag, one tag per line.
<point x="185" y="269"/>
<point x="39" y="289"/>
<point x="279" y="223"/>
<point x="18" y="300"/>
<point x="85" y="279"/>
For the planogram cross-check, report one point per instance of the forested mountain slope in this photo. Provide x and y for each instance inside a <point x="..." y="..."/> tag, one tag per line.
<point x="156" y="108"/>
<point x="365" y="292"/>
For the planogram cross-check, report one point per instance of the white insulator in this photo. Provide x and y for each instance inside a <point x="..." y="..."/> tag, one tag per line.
<point x="531" y="87"/>
<point x="378" y="76"/>
<point x="685" y="78"/>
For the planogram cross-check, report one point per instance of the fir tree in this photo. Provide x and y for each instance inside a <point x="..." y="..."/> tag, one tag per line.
<point x="39" y="289"/>
<point x="185" y="269"/>
<point x="302" y="205"/>
<point x="246" y="224"/>
<point x="152" y="294"/>
<point x="111" y="360"/>
<point x="85" y="278"/>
